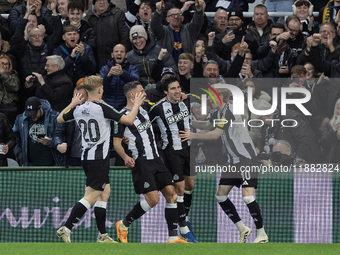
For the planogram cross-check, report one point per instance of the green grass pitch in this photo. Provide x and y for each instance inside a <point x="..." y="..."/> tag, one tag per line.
<point x="165" y="249"/>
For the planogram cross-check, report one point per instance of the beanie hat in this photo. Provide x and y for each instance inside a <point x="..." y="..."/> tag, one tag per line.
<point x="137" y="31"/>
<point x="94" y="1"/>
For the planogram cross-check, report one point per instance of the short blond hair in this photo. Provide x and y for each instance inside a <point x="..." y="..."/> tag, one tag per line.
<point x="92" y="83"/>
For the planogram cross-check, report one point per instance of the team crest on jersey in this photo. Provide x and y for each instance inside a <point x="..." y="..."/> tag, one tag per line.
<point x="182" y="105"/>
<point x="143" y="112"/>
<point x="177" y="117"/>
<point x="146" y="185"/>
<point x="176" y="177"/>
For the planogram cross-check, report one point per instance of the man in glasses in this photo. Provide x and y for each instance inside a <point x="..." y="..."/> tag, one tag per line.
<point x="175" y="37"/>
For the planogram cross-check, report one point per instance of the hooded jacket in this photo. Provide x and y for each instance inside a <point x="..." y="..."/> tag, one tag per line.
<point x="20" y="130"/>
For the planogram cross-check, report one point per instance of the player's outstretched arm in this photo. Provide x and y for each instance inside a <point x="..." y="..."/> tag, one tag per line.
<point x="77" y="99"/>
<point x="117" y="143"/>
<point x="211" y="135"/>
<point x="202" y="124"/>
<point x="137" y="102"/>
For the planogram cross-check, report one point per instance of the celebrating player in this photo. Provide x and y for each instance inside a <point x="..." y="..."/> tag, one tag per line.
<point x="241" y="152"/>
<point x="148" y="171"/>
<point x="93" y="118"/>
<point x="172" y="115"/>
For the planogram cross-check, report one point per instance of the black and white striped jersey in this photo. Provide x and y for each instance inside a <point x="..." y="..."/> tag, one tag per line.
<point x="140" y="133"/>
<point x="172" y="118"/>
<point x="93" y="119"/>
<point x="235" y="137"/>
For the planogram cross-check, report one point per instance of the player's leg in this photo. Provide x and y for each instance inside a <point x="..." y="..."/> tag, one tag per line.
<point x="100" y="214"/>
<point x="229" y="209"/>
<point x="188" y="189"/>
<point x="151" y="200"/>
<point x="171" y="213"/>
<point x="255" y="212"/>
<point x="179" y="189"/>
<point x="78" y="211"/>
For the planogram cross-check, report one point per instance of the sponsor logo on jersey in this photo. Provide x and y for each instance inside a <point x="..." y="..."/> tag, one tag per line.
<point x="144" y="126"/>
<point x="177" y="117"/>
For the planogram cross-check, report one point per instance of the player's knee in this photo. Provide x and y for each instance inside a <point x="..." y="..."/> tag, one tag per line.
<point x="171" y="197"/>
<point x="248" y="199"/>
<point x="189" y="186"/>
<point x="221" y="199"/>
<point x="153" y="202"/>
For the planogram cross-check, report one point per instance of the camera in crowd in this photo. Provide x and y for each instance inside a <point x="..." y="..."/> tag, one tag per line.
<point x="277" y="158"/>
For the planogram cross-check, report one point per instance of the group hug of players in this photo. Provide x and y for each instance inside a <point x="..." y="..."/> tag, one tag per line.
<point x="151" y="173"/>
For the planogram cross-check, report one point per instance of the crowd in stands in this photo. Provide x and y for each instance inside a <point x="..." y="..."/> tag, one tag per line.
<point x="48" y="46"/>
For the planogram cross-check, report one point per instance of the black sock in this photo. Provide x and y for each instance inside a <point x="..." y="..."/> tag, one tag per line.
<point x="181" y="214"/>
<point x="77" y="213"/>
<point x="171" y="217"/>
<point x="255" y="212"/>
<point x="100" y="214"/>
<point x="133" y="215"/>
<point x="187" y="202"/>
<point x="230" y="210"/>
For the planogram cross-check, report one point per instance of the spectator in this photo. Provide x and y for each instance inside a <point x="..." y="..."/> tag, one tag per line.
<point x="301" y="137"/>
<point x="328" y="48"/>
<point x="224" y="42"/>
<point x="185" y="66"/>
<point x="33" y="131"/>
<point x="9" y="87"/>
<point x="116" y="74"/>
<point x="18" y="12"/>
<point x="304" y="10"/>
<point x="146" y="55"/>
<point x="31" y="55"/>
<point x="330" y="136"/>
<point x="7" y="139"/>
<point x="319" y="88"/>
<point x="220" y="24"/>
<point x="330" y="12"/>
<point x="78" y="56"/>
<point x="75" y="18"/>
<point x="175" y="37"/>
<point x="109" y="25"/>
<point x="67" y="137"/>
<point x="260" y="27"/>
<point x="56" y="86"/>
<point x="139" y="13"/>
<point x="63" y="10"/>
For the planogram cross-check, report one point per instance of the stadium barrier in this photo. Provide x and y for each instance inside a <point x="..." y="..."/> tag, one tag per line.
<point x="35" y="202"/>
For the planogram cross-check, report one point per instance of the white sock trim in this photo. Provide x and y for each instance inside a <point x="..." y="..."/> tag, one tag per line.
<point x="188" y="192"/>
<point x="249" y="199"/>
<point x="221" y="199"/>
<point x="145" y="206"/>
<point x="180" y="199"/>
<point x="85" y="203"/>
<point x="100" y="204"/>
<point x="168" y="205"/>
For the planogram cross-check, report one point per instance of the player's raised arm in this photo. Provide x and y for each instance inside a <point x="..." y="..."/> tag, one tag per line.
<point x="77" y="99"/>
<point x="137" y="102"/>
